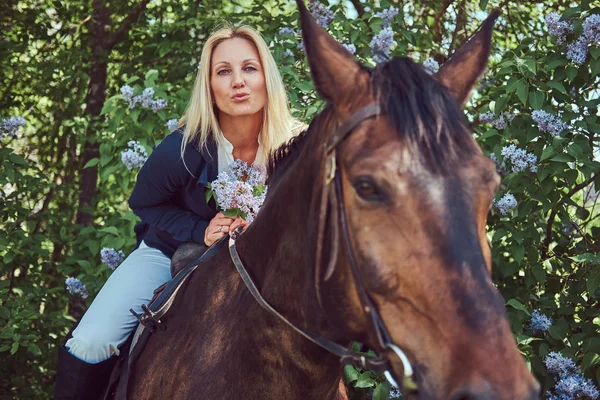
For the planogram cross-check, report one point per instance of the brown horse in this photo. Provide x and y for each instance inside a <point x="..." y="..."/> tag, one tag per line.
<point x="414" y="191"/>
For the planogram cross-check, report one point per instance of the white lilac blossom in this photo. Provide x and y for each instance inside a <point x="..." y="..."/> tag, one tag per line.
<point x="539" y="321"/>
<point x="520" y="160"/>
<point x="111" y="257"/>
<point x="591" y="28"/>
<point x="350" y="47"/>
<point x="146" y="98"/>
<point x="381" y="45"/>
<point x="127" y="92"/>
<point x="74" y="286"/>
<point x="557" y="28"/>
<point x="387" y="15"/>
<point x="10" y="126"/>
<point x="506" y="203"/>
<point x="578" y="51"/>
<point x="135" y="156"/>
<point x="172" y="124"/>
<point x="322" y="15"/>
<point x="288" y="53"/>
<point x="300" y="46"/>
<point x="431" y="66"/>
<point x="241" y="188"/>
<point x="548" y="123"/>
<point x="286" y="30"/>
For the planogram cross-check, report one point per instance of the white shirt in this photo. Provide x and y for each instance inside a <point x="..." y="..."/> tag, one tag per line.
<point x="225" y="156"/>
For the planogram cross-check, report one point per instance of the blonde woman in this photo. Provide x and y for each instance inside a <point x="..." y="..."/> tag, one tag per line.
<point x="238" y="110"/>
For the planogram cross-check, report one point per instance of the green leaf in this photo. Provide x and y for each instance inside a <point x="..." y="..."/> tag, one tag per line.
<point x="536" y="99"/>
<point x="365" y="380"/>
<point x="483" y="4"/>
<point x="547" y="153"/>
<point x="559" y="330"/>
<point x="593" y="283"/>
<point x="557" y="86"/>
<point x="382" y="391"/>
<point x="522" y="91"/>
<point x="563" y="158"/>
<point x="571" y="72"/>
<point x="32" y="347"/>
<point x="110" y="229"/>
<point x="514" y="303"/>
<point x="92" y="163"/>
<point x="351" y="373"/>
<point x="14" y="348"/>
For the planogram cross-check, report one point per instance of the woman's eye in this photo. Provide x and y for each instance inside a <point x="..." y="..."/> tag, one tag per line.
<point x="366" y="188"/>
<point x="251" y="68"/>
<point x="222" y="71"/>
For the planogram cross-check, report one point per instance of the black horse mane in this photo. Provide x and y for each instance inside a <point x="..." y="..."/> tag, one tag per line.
<point x="420" y="109"/>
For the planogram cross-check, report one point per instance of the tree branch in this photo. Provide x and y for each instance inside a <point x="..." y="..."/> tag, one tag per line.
<point x="122" y="30"/>
<point x="437" y="25"/>
<point x="548" y="240"/>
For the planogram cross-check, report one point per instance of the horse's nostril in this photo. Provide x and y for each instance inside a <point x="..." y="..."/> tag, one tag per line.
<point x="464" y="394"/>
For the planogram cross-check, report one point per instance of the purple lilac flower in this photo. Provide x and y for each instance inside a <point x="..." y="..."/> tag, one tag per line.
<point x="134" y="101"/>
<point x="158" y="104"/>
<point x="500" y="167"/>
<point x="506" y="203"/>
<point x="146" y="97"/>
<point x="111" y="257"/>
<point x="548" y="123"/>
<point x="387" y="15"/>
<point x="74" y="286"/>
<point x="172" y="124"/>
<point x="557" y="28"/>
<point x="10" y="126"/>
<point x="520" y="160"/>
<point x="288" y="53"/>
<point x="127" y="92"/>
<point x="286" y="30"/>
<point x="487" y="117"/>
<point x="135" y="156"/>
<point x="381" y="45"/>
<point x="394" y="393"/>
<point x="431" y="66"/>
<point x="578" y="51"/>
<point x="539" y="322"/>
<point x="350" y="47"/>
<point x="591" y="28"/>
<point x="576" y="386"/>
<point x="300" y="46"/>
<point x="558" y="364"/>
<point x="235" y="189"/>
<point x="322" y="15"/>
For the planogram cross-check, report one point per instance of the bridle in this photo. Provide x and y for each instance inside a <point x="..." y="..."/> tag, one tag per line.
<point x="332" y="198"/>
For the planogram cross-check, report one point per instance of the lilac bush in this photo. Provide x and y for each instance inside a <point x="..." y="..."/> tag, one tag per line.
<point x="519" y="159"/>
<point x="569" y="382"/>
<point x="549" y="123"/>
<point x="557" y="28"/>
<point x="387" y="15"/>
<point x="506" y="203"/>
<point x="431" y="66"/>
<point x="321" y="13"/>
<point x="172" y="124"/>
<point x="539" y="321"/>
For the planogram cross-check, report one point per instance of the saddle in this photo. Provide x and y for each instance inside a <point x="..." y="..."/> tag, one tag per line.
<point x="182" y="265"/>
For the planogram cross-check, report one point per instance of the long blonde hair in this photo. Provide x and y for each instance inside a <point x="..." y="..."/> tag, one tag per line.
<point x="200" y="118"/>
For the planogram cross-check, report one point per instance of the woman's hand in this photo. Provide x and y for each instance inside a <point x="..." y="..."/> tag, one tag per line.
<point x="218" y="227"/>
<point x="239" y="221"/>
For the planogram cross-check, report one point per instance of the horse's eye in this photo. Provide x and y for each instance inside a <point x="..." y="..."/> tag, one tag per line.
<point x="366" y="188"/>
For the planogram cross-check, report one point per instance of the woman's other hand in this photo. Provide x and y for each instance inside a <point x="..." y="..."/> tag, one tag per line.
<point x="239" y="221"/>
<point x="218" y="227"/>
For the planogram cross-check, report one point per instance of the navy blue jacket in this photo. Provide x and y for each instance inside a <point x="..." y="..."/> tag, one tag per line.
<point x="170" y="200"/>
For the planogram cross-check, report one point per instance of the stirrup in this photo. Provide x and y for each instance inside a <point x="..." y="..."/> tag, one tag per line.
<point x="148" y="319"/>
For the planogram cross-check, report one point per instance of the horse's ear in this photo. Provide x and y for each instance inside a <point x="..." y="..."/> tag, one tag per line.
<point x="335" y="72"/>
<point x="462" y="70"/>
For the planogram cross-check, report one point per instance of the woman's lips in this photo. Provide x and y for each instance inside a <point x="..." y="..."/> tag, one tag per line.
<point x="241" y="97"/>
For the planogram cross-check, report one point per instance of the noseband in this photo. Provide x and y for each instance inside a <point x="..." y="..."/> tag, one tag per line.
<point x="333" y="197"/>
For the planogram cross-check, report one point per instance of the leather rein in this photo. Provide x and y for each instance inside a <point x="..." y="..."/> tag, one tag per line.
<point x="333" y="197"/>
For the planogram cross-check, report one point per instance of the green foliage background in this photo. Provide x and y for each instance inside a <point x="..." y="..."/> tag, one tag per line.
<point x="63" y="187"/>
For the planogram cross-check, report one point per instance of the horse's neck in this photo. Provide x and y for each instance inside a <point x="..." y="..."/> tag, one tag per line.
<point x="247" y="340"/>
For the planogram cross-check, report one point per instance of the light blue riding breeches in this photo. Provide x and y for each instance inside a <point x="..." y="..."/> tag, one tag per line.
<point x="107" y="323"/>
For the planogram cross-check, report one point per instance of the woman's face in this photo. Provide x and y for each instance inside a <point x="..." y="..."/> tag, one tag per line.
<point x="237" y="78"/>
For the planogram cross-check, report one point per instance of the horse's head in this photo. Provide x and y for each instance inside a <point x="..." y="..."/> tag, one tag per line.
<point x="416" y="190"/>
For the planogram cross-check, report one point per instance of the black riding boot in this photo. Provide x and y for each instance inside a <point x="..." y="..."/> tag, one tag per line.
<point x="78" y="380"/>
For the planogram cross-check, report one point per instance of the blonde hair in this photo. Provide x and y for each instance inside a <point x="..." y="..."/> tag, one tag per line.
<point x="200" y="119"/>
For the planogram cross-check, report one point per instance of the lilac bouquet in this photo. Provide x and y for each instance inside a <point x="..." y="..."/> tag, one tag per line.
<point x="238" y="192"/>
